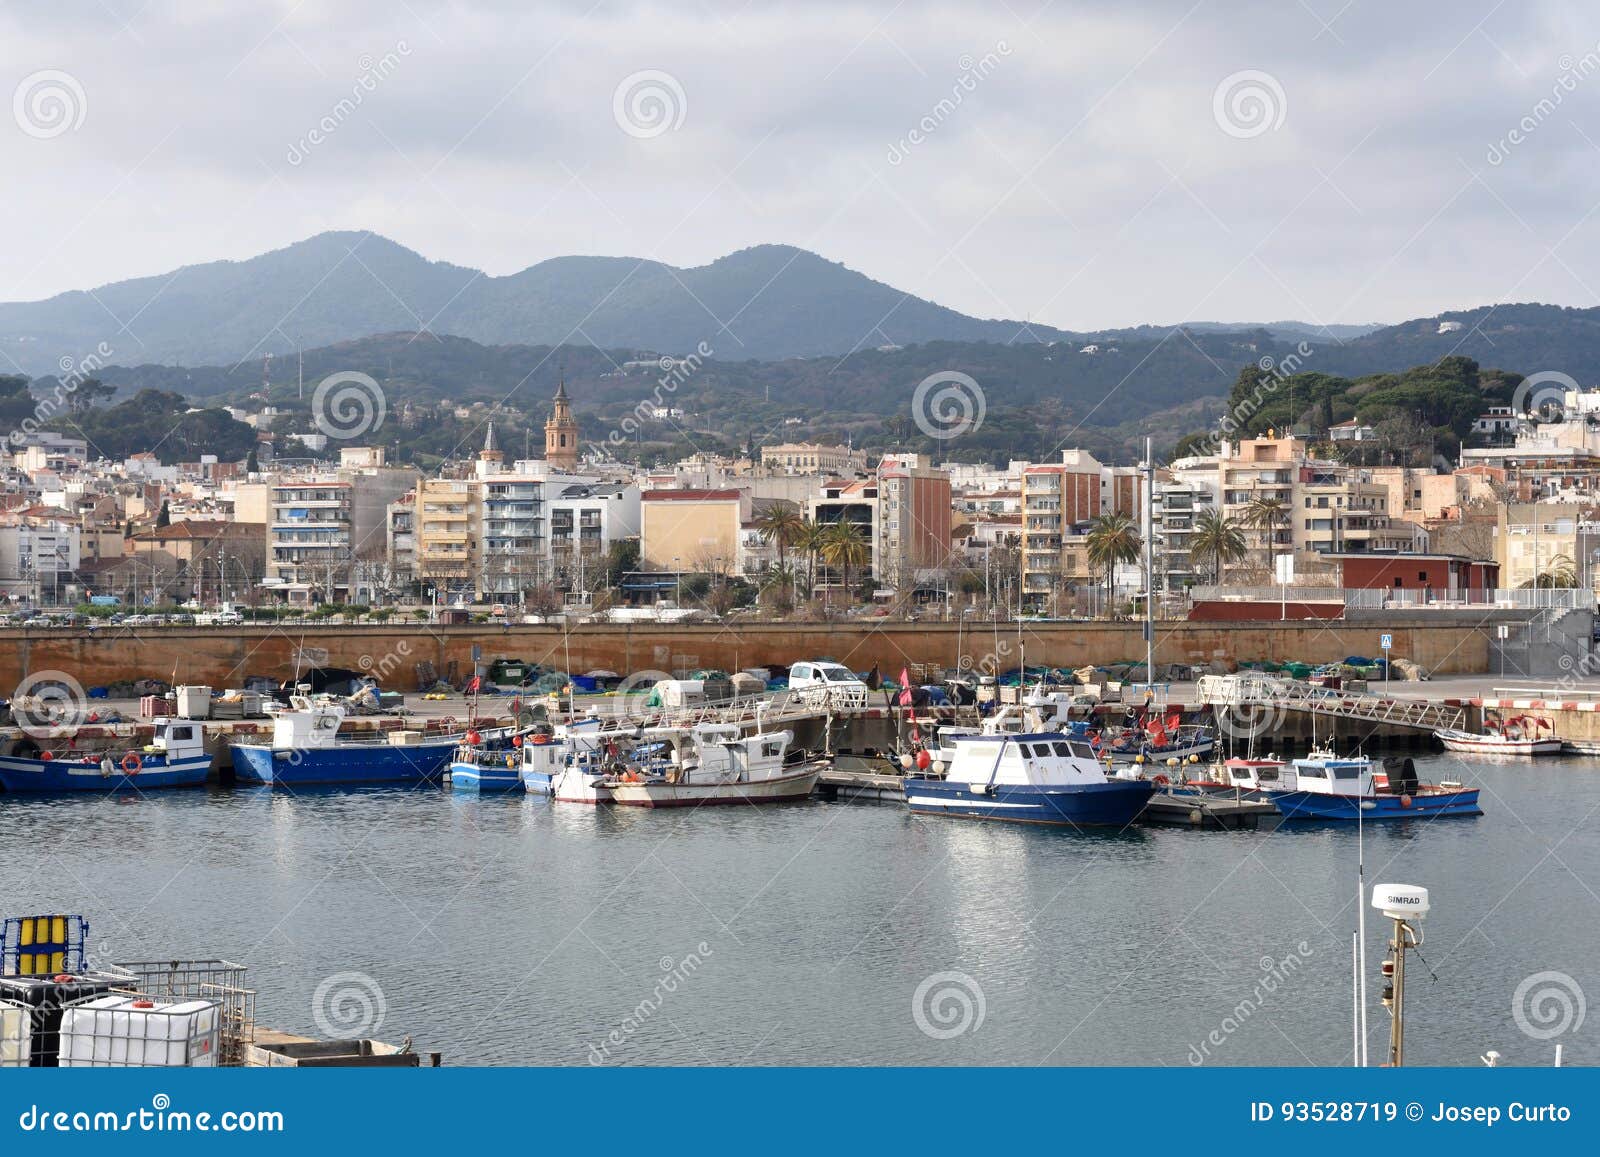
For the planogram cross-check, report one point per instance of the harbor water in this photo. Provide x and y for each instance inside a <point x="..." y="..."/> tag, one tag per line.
<point x="515" y="930"/>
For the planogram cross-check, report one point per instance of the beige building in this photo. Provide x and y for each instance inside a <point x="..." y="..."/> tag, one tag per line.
<point x="445" y="536"/>
<point x="1533" y="538"/>
<point x="691" y="529"/>
<point x="812" y="458"/>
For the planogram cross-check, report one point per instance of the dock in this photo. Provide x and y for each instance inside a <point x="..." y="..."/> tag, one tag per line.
<point x="835" y="784"/>
<point x="1224" y="812"/>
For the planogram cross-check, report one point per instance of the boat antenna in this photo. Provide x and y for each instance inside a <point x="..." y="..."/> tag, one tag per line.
<point x="1361" y="929"/>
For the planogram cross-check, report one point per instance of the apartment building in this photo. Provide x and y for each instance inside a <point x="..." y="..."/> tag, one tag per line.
<point x="320" y="524"/>
<point x="913" y="520"/>
<point x="691" y="529"/>
<point x="812" y="458"/>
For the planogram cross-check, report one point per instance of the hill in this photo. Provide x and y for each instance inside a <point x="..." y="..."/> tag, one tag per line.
<point x="768" y="302"/>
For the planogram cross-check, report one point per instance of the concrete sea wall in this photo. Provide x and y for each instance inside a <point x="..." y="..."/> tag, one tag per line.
<point x="222" y="657"/>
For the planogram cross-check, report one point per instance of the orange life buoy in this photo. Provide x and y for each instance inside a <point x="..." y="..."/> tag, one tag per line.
<point x="540" y="739"/>
<point x="1405" y="801"/>
<point x="132" y="762"/>
<point x="1161" y="781"/>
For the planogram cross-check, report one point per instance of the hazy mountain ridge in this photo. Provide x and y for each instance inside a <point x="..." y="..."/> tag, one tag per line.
<point x="767" y="302"/>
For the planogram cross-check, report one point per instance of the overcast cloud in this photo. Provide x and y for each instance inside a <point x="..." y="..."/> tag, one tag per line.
<point x="1084" y="177"/>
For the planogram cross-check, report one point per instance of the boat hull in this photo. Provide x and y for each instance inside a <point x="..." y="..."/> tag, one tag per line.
<point x="484" y="778"/>
<point x="375" y="763"/>
<point x="661" y="794"/>
<point x="22" y="775"/>
<point x="538" y="782"/>
<point x="1305" y="805"/>
<point x="1113" y="804"/>
<point x="1467" y="743"/>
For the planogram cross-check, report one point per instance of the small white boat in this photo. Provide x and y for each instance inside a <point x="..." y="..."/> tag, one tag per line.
<point x="710" y="763"/>
<point x="1519" y="735"/>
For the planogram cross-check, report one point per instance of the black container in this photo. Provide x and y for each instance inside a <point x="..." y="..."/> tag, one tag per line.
<point x="46" y="996"/>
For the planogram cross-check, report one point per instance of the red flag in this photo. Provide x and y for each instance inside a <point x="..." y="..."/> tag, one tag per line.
<point x="905" y="687"/>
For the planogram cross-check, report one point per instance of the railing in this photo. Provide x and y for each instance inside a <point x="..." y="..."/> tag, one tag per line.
<point x="1254" y="690"/>
<point x="1381" y="598"/>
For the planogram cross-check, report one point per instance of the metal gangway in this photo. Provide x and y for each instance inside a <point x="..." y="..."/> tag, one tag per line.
<point x="1258" y="690"/>
<point x="629" y="713"/>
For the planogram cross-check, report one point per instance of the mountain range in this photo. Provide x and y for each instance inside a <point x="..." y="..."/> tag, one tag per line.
<point x="766" y="303"/>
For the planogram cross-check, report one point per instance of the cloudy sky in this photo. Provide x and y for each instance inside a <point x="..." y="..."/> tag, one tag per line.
<point x="1083" y="164"/>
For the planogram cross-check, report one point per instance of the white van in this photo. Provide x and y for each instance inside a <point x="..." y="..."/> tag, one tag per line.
<point x="827" y="684"/>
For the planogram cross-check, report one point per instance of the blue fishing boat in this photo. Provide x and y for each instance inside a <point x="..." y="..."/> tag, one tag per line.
<point x="175" y="757"/>
<point x="487" y="764"/>
<point x="306" y="749"/>
<point x="1324" y="786"/>
<point x="1040" y="778"/>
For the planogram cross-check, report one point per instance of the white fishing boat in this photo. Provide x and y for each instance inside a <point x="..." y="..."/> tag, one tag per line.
<point x="1520" y="735"/>
<point x="708" y="763"/>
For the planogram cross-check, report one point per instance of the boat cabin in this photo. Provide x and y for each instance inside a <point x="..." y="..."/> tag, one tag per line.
<point x="1039" y="759"/>
<point x="306" y="723"/>
<point x="179" y="738"/>
<point x="1328" y="775"/>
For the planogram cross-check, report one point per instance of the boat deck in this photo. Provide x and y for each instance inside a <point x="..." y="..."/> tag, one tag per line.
<point x="1208" y="811"/>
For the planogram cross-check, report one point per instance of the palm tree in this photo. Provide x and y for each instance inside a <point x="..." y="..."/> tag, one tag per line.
<point x="1113" y="539"/>
<point x="845" y="547"/>
<point x="1218" y="539"/>
<point x="810" y="539"/>
<point x="780" y="523"/>
<point x="1265" y="514"/>
<point x="1561" y="574"/>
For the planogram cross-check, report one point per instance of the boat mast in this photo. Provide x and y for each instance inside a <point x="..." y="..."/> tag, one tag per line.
<point x="1149" y="564"/>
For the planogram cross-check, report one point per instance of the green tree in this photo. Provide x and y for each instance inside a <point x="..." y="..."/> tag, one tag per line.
<point x="1217" y="540"/>
<point x="1266" y="514"/>
<point x="1113" y="539"/>
<point x="781" y="524"/>
<point x="845" y="547"/>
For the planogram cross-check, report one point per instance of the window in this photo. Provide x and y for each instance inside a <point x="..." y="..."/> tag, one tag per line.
<point x="1350" y="771"/>
<point x="1313" y="772"/>
<point x="1041" y="750"/>
<point x="1083" y="751"/>
<point x="1062" y="750"/>
<point x="772" y="749"/>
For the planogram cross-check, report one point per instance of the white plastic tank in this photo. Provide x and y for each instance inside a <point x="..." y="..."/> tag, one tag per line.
<point x="194" y="702"/>
<point x="1401" y="901"/>
<point x="127" y="1031"/>
<point x="16" y="1035"/>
